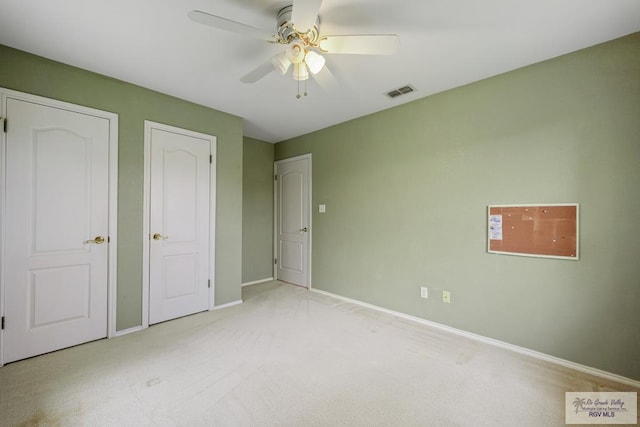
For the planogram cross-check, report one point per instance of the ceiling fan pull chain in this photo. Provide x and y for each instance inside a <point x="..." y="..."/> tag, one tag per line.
<point x="305" y="88"/>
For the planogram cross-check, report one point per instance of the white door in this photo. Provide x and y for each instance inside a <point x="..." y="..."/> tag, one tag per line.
<point x="293" y="222"/>
<point x="178" y="224"/>
<point x="56" y="224"/>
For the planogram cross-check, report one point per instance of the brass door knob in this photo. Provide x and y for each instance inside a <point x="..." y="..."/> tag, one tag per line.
<point x="159" y="236"/>
<point x="98" y="240"/>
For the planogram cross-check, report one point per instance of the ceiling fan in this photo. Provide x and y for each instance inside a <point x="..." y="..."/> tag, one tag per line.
<point x="298" y="28"/>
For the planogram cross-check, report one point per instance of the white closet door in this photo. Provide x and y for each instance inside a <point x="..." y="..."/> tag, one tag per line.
<point x="57" y="205"/>
<point x="179" y="225"/>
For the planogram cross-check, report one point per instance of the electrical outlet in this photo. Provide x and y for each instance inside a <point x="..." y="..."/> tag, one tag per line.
<point x="424" y="292"/>
<point x="446" y="297"/>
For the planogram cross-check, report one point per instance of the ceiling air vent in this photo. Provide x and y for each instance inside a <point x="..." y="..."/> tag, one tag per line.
<point x="400" y="91"/>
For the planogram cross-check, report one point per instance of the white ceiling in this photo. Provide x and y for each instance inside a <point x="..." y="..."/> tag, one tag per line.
<point x="444" y="44"/>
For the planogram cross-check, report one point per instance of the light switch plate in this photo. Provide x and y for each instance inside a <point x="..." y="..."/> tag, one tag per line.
<point x="322" y="208"/>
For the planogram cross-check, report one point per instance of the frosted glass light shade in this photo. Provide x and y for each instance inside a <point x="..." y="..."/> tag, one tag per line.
<point x="281" y="63"/>
<point x="295" y="52"/>
<point x="314" y="61"/>
<point x="300" y="72"/>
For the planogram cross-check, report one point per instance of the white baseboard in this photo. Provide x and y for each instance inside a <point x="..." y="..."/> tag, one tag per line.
<point x="255" y="282"/>
<point x="128" y="331"/>
<point x="227" y="305"/>
<point x="493" y="342"/>
<point x="140" y="328"/>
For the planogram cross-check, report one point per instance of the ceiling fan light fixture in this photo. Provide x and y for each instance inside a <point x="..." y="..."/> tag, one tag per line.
<point x="314" y="61"/>
<point x="295" y="52"/>
<point x="300" y="72"/>
<point x="281" y="63"/>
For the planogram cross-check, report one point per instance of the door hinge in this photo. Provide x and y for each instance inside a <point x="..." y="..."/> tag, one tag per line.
<point x="275" y="177"/>
<point x="209" y="282"/>
<point x="275" y="261"/>
<point x="4" y="124"/>
<point x="210" y="158"/>
<point x="2" y="326"/>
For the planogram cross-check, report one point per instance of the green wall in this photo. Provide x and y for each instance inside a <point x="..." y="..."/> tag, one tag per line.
<point x="406" y="192"/>
<point x="257" y="210"/>
<point x="134" y="104"/>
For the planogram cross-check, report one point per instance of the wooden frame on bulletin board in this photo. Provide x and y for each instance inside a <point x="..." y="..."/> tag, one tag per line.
<point x="537" y="230"/>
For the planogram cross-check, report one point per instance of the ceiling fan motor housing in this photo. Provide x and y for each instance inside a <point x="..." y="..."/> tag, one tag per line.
<point x="288" y="32"/>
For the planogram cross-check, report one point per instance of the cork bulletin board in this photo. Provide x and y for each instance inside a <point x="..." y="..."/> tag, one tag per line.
<point x="549" y="231"/>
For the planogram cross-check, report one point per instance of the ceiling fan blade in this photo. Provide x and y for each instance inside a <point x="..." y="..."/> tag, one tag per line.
<point x="325" y="79"/>
<point x="362" y="44"/>
<point x="304" y="14"/>
<point x="229" y="25"/>
<point x="258" y="73"/>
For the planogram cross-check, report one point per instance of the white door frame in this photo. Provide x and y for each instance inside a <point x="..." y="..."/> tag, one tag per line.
<point x="275" y="213"/>
<point x="148" y="125"/>
<point x="113" y="196"/>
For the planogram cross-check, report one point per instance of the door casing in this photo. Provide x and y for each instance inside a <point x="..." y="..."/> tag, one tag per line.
<point x="309" y="210"/>
<point x="112" y="195"/>
<point x="148" y="125"/>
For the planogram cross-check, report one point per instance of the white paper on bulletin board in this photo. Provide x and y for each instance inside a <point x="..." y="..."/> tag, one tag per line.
<point x="495" y="227"/>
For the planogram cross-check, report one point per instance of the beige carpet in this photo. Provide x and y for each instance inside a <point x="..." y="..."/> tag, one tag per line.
<point x="288" y="357"/>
